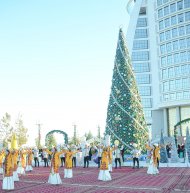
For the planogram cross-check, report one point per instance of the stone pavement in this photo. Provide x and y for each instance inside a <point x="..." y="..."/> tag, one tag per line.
<point x="125" y="179"/>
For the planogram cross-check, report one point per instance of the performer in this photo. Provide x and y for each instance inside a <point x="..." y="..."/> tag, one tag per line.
<point x="99" y="155"/>
<point x="135" y="153"/>
<point x="62" y="157"/>
<point x="117" y="157"/>
<point x="45" y="157"/>
<point x="29" y="160"/>
<point x="86" y="156"/>
<point x="104" y="174"/>
<point x="15" y="166"/>
<point x="2" y="156"/>
<point x="22" y="162"/>
<point x="8" y="181"/>
<point x="152" y="168"/>
<point x="54" y="177"/>
<point x="68" y="173"/>
<point x="36" y="157"/>
<point x="110" y="156"/>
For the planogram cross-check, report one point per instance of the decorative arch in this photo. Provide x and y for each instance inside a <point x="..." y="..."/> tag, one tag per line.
<point x="179" y="124"/>
<point x="57" y="131"/>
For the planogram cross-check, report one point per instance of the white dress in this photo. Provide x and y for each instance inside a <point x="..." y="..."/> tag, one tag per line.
<point x="68" y="173"/>
<point x="104" y="175"/>
<point x="54" y="178"/>
<point x="29" y="168"/>
<point x="15" y="176"/>
<point x="8" y="183"/>
<point x="20" y="169"/>
<point x="152" y="169"/>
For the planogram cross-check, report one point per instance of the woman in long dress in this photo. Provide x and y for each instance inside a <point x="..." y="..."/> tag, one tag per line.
<point x="54" y="177"/>
<point x="2" y="156"/>
<point x="152" y="168"/>
<point x="22" y="162"/>
<point x="29" y="160"/>
<point x="15" y="159"/>
<point x="8" y="181"/>
<point x="68" y="172"/>
<point x="104" y="174"/>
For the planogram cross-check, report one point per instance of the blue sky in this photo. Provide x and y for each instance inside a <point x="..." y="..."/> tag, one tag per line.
<point x="56" y="59"/>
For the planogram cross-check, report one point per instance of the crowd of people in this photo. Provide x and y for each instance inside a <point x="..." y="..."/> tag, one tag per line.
<point x="14" y="163"/>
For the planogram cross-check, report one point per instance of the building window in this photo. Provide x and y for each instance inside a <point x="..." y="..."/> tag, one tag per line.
<point x="182" y="43"/>
<point x="141" y="67"/>
<point x="162" y="37"/>
<point x="176" y="58"/>
<point x="166" y="86"/>
<point x="175" y="45"/>
<point x="160" y="13"/>
<point x="166" y="10"/>
<point x="174" y="32"/>
<point x="169" y="47"/>
<point x="187" y="29"/>
<point x="185" y="83"/>
<point x="179" y="5"/>
<point x="167" y="22"/>
<point x="172" y="96"/>
<point x="171" y="72"/>
<point x="185" y="69"/>
<point x="164" y="74"/>
<point x="140" y="56"/>
<point x="181" y="30"/>
<point x="178" y="84"/>
<point x="159" y="2"/>
<point x="180" y="18"/>
<point x="163" y="61"/>
<point x="186" y="94"/>
<point x="177" y="71"/>
<point x="142" y="11"/>
<point x="165" y="1"/>
<point x="179" y="95"/>
<point x="172" y="85"/>
<point x="186" y="3"/>
<point x="146" y="102"/>
<point x="187" y="16"/>
<point x="143" y="78"/>
<point x="145" y="90"/>
<point x="166" y="97"/>
<point x="183" y="56"/>
<point x="140" y="44"/>
<point x="161" y="25"/>
<point x="162" y="49"/>
<point x="148" y="113"/>
<point x="168" y="35"/>
<point x="188" y="42"/>
<point x="172" y="8"/>
<point x="169" y="59"/>
<point x="141" y="33"/>
<point x="188" y="55"/>
<point x="142" y="22"/>
<point x="174" y="20"/>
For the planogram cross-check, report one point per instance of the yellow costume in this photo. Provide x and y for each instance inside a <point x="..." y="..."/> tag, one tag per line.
<point x="55" y="161"/>
<point x="156" y="153"/>
<point x="68" y="159"/>
<point x="8" y="164"/>
<point x="104" y="160"/>
<point x="15" y="159"/>
<point x="2" y="155"/>
<point x="30" y="157"/>
<point x="23" y="158"/>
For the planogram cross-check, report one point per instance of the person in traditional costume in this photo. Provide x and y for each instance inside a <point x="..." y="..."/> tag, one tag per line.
<point x="8" y="181"/>
<point x="135" y="154"/>
<point x="104" y="174"/>
<point x="15" y="166"/>
<point x="54" y="177"/>
<point x="110" y="157"/>
<point x="29" y="160"/>
<point x="68" y="172"/>
<point x="152" y="168"/>
<point x="22" y="162"/>
<point x="2" y="157"/>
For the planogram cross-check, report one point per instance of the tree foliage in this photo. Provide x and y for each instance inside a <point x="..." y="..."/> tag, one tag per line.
<point x="51" y="141"/>
<point x="88" y="135"/>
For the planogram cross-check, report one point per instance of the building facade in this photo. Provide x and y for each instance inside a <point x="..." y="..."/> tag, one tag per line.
<point x="158" y="39"/>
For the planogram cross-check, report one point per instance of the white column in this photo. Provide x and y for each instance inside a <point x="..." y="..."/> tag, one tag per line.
<point x="165" y="129"/>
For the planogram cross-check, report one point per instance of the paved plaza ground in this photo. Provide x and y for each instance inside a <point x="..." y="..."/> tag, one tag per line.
<point x="125" y="179"/>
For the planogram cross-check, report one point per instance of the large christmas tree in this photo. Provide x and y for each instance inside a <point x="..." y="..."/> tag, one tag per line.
<point x="125" y="119"/>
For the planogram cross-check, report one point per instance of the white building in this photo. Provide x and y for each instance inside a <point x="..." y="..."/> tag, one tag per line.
<point x="158" y="40"/>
